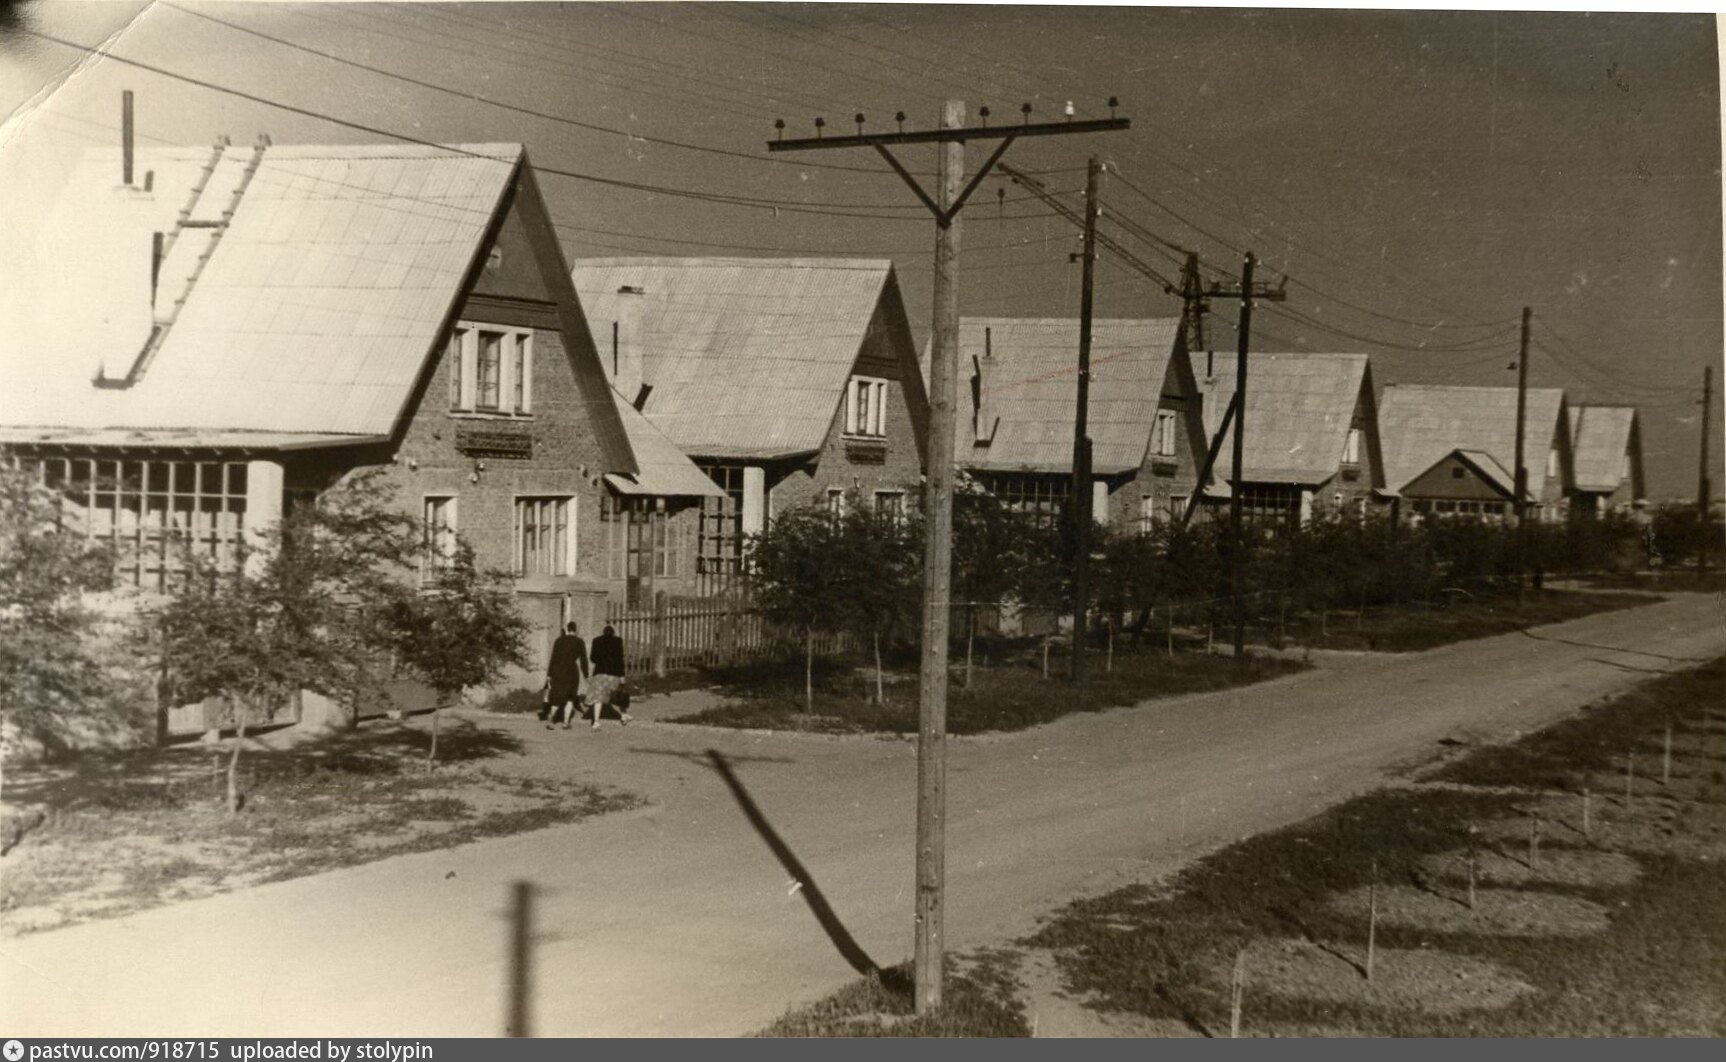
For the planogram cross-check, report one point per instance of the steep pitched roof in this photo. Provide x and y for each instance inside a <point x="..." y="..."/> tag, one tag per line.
<point x="1299" y="410"/>
<point x="305" y="296"/>
<point x="1421" y="423"/>
<point x="746" y="357"/>
<point x="1600" y="437"/>
<point x="1029" y="391"/>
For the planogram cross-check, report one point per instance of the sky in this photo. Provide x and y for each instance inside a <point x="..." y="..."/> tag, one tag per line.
<point x="1418" y="176"/>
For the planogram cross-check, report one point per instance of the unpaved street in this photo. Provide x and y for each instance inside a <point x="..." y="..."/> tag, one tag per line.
<point x="681" y="919"/>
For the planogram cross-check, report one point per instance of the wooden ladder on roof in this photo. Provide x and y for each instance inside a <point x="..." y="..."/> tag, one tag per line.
<point x="159" y="329"/>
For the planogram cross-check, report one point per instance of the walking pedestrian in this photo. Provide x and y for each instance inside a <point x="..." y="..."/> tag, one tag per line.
<point x="606" y="686"/>
<point x="564" y="675"/>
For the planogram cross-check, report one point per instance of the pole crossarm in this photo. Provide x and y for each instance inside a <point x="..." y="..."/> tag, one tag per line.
<point x="947" y="136"/>
<point x="1262" y="291"/>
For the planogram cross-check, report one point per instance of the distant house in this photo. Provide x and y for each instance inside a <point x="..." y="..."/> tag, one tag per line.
<point x="1606" y="444"/>
<point x="1451" y="451"/>
<point x="242" y="328"/>
<point x="1312" y="435"/>
<point x="1018" y="399"/>
<point x="788" y="381"/>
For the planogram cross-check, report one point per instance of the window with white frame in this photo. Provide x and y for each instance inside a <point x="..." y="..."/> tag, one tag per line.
<point x="866" y="407"/>
<point x="544" y="536"/>
<point x="1178" y="506"/>
<point x="1163" y="434"/>
<point x="1351" y="447"/>
<point x="1552" y="462"/>
<point x="836" y="501"/>
<point x="1624" y="466"/>
<point x="439" y="529"/>
<point x="490" y="369"/>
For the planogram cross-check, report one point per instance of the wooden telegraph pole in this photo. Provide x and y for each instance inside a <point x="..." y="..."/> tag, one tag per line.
<point x="1702" y="485"/>
<point x="1238" y="542"/>
<point x="1249" y="292"/>
<point x="951" y="193"/>
<point x="1081" y="507"/>
<point x="1521" y="465"/>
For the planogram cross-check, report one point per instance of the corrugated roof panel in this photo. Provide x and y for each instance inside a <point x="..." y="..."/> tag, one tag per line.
<point x="743" y="354"/>
<point x="338" y="266"/>
<point x="1299" y="409"/>
<point x="1030" y="390"/>
<point x="1419" y="424"/>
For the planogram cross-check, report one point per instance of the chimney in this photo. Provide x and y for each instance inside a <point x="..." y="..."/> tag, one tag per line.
<point x="982" y="427"/>
<point x="626" y="355"/>
<point x="126" y="138"/>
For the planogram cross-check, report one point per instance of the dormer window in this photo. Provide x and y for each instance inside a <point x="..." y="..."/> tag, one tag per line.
<point x="866" y="407"/>
<point x="490" y="369"/>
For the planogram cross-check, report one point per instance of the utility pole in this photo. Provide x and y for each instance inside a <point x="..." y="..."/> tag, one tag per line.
<point x="1081" y="507"/>
<point x="1249" y="292"/>
<point x="1702" y="485"/>
<point x="1193" y="308"/>
<point x="953" y="190"/>
<point x="1521" y="466"/>
<point x="1239" y="542"/>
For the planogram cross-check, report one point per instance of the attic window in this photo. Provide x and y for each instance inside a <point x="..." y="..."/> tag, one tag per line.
<point x="1163" y="434"/>
<point x="866" y="407"/>
<point x="493" y="259"/>
<point x="490" y="369"/>
<point x="1351" y="447"/>
<point x="1456" y="472"/>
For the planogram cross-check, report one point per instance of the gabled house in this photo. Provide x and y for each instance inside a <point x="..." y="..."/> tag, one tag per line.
<point x="1606" y="447"/>
<point x="239" y="328"/>
<point x="1451" y="451"/>
<point x="1018" y="398"/>
<point x="1312" y="435"/>
<point x="788" y="381"/>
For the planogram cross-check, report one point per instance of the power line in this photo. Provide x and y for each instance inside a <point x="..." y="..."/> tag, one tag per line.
<point x="502" y="105"/>
<point x="828" y="210"/>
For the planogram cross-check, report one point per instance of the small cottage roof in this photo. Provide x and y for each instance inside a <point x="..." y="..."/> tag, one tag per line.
<point x="1420" y="423"/>
<point x="1029" y="391"/>
<point x="1299" y="410"/>
<point x="1600" y="437"/>
<point x="746" y="357"/>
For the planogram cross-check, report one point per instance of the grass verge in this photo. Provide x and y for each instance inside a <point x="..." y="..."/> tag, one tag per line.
<point x="1609" y="926"/>
<point x="1454" y="617"/>
<point x="1011" y="697"/>
<point x="105" y="835"/>
<point x="978" y="1001"/>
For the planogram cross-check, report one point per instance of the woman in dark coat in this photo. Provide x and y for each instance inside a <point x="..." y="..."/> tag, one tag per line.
<point x="563" y="677"/>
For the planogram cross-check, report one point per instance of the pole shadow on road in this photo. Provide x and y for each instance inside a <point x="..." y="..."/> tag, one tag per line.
<point x="1614" y="648"/>
<point x="818" y="905"/>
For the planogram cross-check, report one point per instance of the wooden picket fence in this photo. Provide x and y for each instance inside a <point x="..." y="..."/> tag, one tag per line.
<point x="705" y="632"/>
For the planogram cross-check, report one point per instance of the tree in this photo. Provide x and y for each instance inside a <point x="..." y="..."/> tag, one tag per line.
<point x="989" y="544"/>
<point x="796" y="578"/>
<point x="875" y="573"/>
<point x="50" y="678"/>
<point x="461" y="631"/>
<point x="299" y="610"/>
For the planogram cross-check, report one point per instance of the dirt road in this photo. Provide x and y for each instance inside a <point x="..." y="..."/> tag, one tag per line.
<point x="681" y="918"/>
